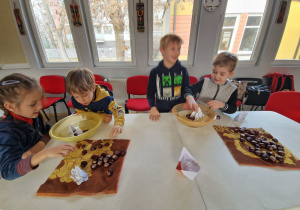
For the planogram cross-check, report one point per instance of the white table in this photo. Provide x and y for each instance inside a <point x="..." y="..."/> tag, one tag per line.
<point x="226" y="185"/>
<point x="149" y="179"/>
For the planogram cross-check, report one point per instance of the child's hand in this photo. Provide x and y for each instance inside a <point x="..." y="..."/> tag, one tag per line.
<point x="215" y="104"/>
<point x="192" y="103"/>
<point x="117" y="129"/>
<point x="33" y="150"/>
<point x="59" y="151"/>
<point x="107" y="118"/>
<point x="154" y="114"/>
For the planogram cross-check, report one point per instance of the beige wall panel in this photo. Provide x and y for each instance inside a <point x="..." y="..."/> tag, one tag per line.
<point x="11" y="50"/>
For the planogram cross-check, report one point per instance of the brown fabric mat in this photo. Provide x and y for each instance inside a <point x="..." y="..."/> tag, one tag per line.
<point x="240" y="150"/>
<point x="60" y="183"/>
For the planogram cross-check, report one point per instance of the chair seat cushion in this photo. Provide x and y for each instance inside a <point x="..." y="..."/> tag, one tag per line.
<point x="48" y="101"/>
<point x="138" y="104"/>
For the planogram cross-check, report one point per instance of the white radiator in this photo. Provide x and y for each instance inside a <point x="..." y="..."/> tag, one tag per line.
<point x="119" y="90"/>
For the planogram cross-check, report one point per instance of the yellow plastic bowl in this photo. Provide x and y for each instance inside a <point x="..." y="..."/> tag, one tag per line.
<point x="180" y="111"/>
<point x="86" y="121"/>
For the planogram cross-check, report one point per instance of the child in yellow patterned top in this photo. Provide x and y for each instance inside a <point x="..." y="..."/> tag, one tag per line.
<point x="88" y="96"/>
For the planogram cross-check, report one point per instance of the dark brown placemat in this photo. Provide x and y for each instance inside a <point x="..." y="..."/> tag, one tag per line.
<point x="240" y="150"/>
<point x="60" y="183"/>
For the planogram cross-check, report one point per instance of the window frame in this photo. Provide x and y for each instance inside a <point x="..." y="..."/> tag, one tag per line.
<point x="287" y="62"/>
<point x="235" y="29"/>
<point x="248" y="27"/>
<point x="193" y="34"/>
<point x="258" y="46"/>
<point x="38" y="47"/>
<point x="93" y="45"/>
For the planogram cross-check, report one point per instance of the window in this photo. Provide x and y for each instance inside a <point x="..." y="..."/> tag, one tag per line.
<point x="53" y="33"/>
<point x="228" y="33"/>
<point x="110" y="32"/>
<point x="289" y="49"/>
<point x="174" y="17"/>
<point x="243" y="28"/>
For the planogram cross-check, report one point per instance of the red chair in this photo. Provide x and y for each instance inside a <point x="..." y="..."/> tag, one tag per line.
<point x="98" y="77"/>
<point x="137" y="85"/>
<point x="193" y="80"/>
<point x="286" y="103"/>
<point x="53" y="84"/>
<point x="108" y="85"/>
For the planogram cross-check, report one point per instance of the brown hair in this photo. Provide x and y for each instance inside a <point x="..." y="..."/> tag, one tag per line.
<point x="80" y="80"/>
<point x="14" y="87"/>
<point x="226" y="59"/>
<point x="169" y="38"/>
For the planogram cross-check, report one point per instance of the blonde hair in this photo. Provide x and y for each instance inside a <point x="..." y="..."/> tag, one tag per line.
<point x="80" y="80"/>
<point x="226" y="59"/>
<point x="14" y="87"/>
<point x="169" y="38"/>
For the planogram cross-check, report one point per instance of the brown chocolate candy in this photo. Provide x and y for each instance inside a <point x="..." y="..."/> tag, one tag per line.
<point x="95" y="157"/>
<point x="83" y="164"/>
<point x="94" y="166"/>
<point x="84" y="152"/>
<point x="272" y="158"/>
<point x="258" y="152"/>
<point x="110" y="172"/>
<point x="265" y="157"/>
<point x="117" y="152"/>
<point x="106" y="165"/>
<point x="281" y="153"/>
<point x="251" y="149"/>
<point x="279" y="158"/>
<point x="123" y="152"/>
<point x="115" y="157"/>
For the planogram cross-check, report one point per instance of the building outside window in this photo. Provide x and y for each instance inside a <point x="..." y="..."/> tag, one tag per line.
<point x="52" y="32"/>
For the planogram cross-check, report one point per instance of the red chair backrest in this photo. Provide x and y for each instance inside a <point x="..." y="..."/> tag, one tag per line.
<point x="193" y="80"/>
<point x="137" y="85"/>
<point x="53" y="84"/>
<point x="105" y="83"/>
<point x="98" y="77"/>
<point x="286" y="103"/>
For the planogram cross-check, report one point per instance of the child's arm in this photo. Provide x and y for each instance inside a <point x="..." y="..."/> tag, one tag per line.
<point x="192" y="90"/>
<point x="58" y="151"/>
<point x="118" y="113"/>
<point x="35" y="149"/>
<point x="231" y="107"/>
<point x="192" y="104"/>
<point x="151" y="89"/>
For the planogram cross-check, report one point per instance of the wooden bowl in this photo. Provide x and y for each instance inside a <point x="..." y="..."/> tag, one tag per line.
<point x="181" y="110"/>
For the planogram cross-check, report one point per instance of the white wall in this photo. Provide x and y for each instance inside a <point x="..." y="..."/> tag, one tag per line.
<point x="208" y="36"/>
